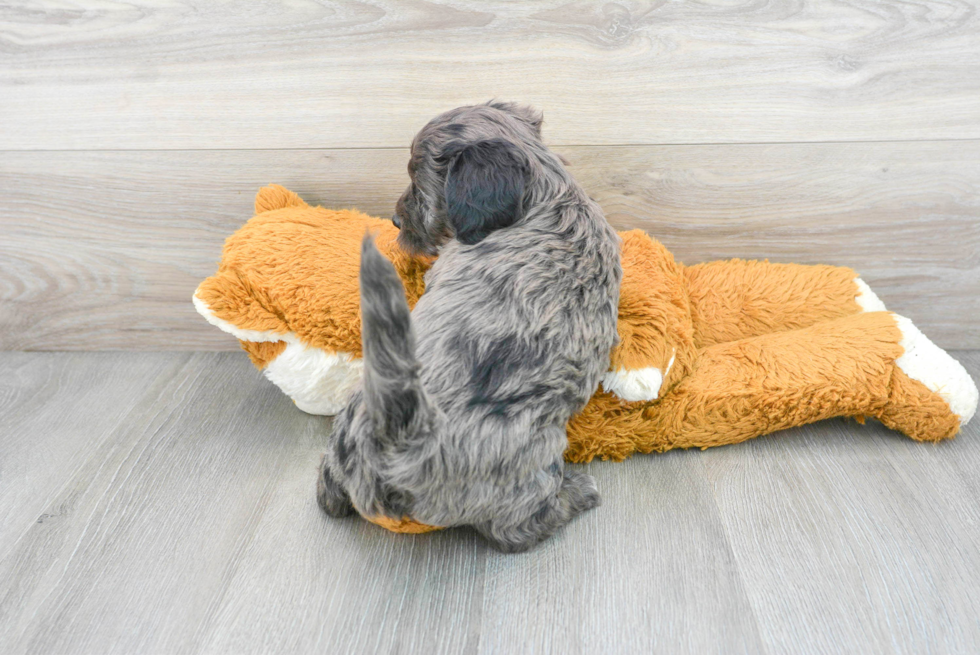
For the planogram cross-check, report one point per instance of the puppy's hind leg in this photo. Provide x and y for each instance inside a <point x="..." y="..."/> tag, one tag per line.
<point x="577" y="494"/>
<point x="330" y="495"/>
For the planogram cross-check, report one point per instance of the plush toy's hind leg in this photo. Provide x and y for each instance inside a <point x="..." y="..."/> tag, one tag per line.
<point x="861" y="365"/>
<point x="732" y="300"/>
<point x="931" y="395"/>
<point x="754" y="386"/>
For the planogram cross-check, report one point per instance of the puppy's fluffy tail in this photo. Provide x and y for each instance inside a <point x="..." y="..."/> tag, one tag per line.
<point x="393" y="394"/>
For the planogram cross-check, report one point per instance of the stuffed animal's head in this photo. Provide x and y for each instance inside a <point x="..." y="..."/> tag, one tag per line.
<point x="287" y="288"/>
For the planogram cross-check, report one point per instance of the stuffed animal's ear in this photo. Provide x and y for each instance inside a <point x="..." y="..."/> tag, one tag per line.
<point x="274" y="196"/>
<point x="484" y="187"/>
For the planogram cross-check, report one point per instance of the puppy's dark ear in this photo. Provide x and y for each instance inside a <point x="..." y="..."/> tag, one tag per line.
<point x="484" y="186"/>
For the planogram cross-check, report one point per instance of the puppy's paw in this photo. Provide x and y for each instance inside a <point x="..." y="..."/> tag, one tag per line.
<point x="579" y="491"/>
<point x="330" y="495"/>
<point x="577" y="494"/>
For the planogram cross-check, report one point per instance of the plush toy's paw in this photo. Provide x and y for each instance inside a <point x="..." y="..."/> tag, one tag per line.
<point x="937" y="370"/>
<point x="866" y="298"/>
<point x="636" y="385"/>
<point x="930" y="396"/>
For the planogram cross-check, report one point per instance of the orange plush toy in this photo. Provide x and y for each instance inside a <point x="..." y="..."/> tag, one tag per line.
<point x="710" y="354"/>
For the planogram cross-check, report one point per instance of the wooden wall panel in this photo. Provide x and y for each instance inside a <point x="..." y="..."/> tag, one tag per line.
<point x="102" y="250"/>
<point x="198" y="75"/>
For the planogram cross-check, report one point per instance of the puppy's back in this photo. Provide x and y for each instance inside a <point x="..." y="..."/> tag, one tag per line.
<point x="514" y="334"/>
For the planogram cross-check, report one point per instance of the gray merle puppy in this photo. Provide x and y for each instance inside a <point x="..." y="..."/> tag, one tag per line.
<point x="460" y="419"/>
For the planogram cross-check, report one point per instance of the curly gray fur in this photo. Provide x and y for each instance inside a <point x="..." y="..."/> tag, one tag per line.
<point x="461" y="416"/>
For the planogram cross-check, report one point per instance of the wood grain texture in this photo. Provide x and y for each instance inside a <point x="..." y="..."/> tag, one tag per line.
<point x="968" y="453"/>
<point x="659" y="575"/>
<point x="102" y="250"/>
<point x="346" y="586"/>
<point x="139" y="545"/>
<point x="190" y="526"/>
<point x="55" y="410"/>
<point x="855" y="539"/>
<point x="142" y="74"/>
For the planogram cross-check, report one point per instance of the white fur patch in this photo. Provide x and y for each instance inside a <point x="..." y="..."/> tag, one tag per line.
<point x="632" y="386"/>
<point x="932" y="366"/>
<point x="866" y="298"/>
<point x="639" y="384"/>
<point x="318" y="382"/>
<point x="260" y="336"/>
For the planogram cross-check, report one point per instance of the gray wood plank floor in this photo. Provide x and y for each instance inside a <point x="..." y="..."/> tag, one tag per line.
<point x="163" y="503"/>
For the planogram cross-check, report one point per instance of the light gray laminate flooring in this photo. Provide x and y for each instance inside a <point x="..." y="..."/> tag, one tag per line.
<point x="163" y="503"/>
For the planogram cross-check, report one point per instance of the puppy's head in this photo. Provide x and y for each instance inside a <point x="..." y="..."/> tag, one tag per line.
<point x="469" y="169"/>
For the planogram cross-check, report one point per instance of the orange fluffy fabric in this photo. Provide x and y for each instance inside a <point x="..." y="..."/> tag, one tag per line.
<point x="743" y="348"/>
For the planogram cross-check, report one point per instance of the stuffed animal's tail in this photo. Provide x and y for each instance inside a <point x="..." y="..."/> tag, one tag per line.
<point x="393" y="393"/>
